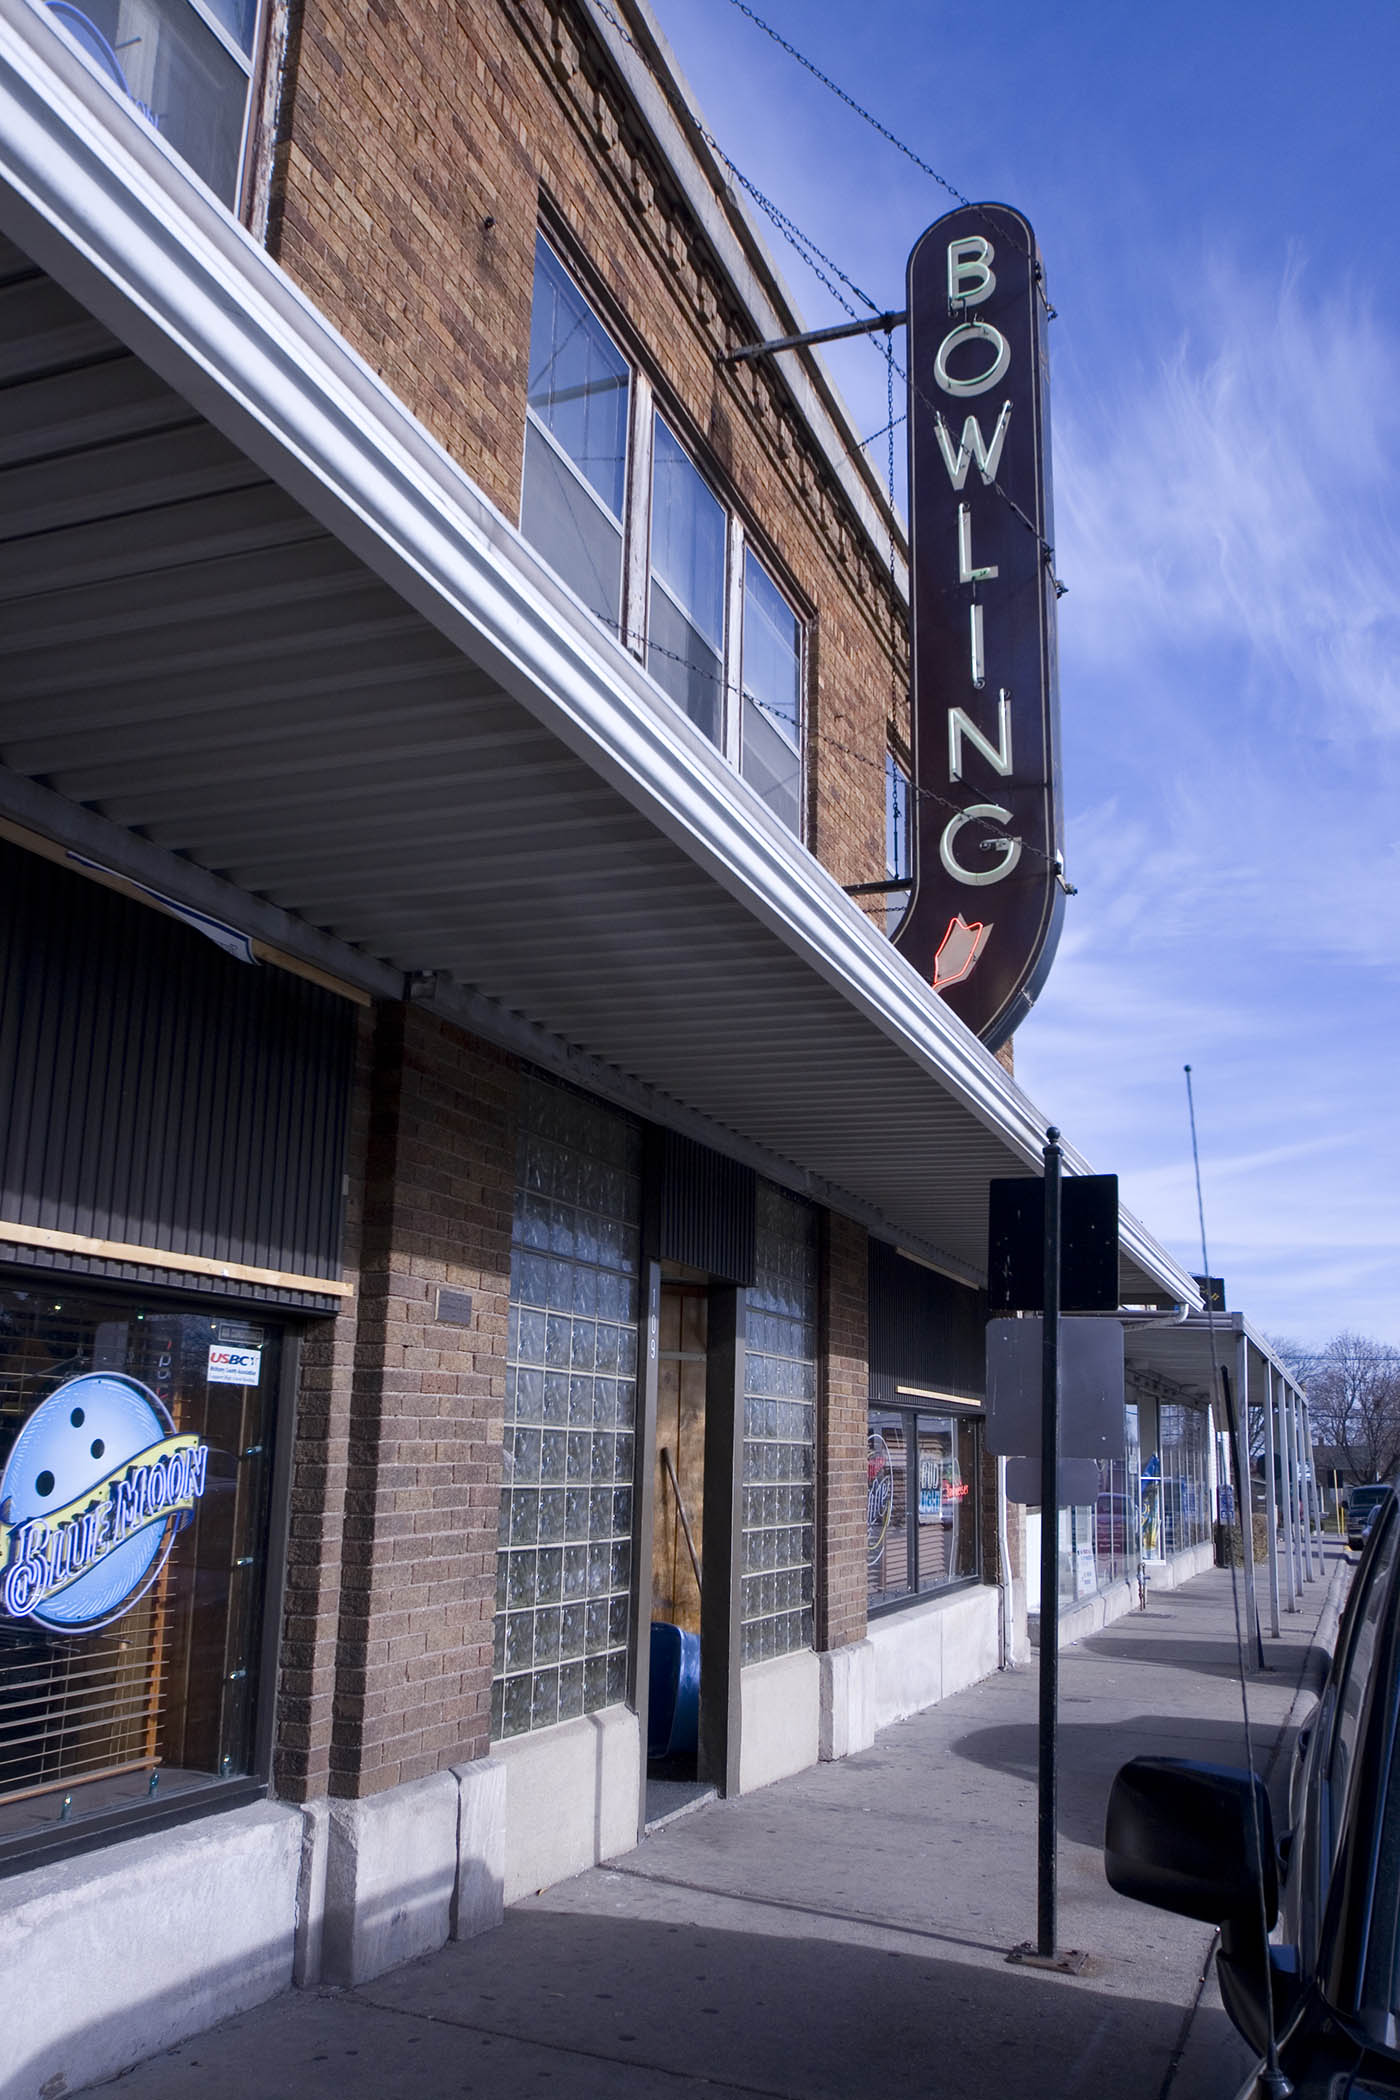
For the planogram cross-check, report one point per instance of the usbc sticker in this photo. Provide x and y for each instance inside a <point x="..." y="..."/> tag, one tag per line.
<point x="95" y="1489"/>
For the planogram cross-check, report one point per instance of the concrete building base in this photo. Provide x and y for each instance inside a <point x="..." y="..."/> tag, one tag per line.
<point x="1091" y="1614"/>
<point x="573" y="1795"/>
<point x="780" y="1729"/>
<point x="847" y="1700"/>
<point x="929" y="1651"/>
<point x="391" y="1866"/>
<point x="479" y="1898"/>
<point x="118" y="1953"/>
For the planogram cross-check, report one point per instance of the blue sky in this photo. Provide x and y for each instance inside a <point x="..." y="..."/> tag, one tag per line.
<point x="1214" y="188"/>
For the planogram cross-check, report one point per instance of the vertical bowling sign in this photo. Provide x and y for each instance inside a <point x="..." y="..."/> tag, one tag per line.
<point x="984" y="914"/>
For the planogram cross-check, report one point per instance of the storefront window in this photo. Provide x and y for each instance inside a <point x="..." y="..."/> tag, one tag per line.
<point x="1185" y="1502"/>
<point x="922" y="1503"/>
<point x="1115" y="1535"/>
<point x="564" y="1564"/>
<point x="137" y="1453"/>
<point x="780" y="1394"/>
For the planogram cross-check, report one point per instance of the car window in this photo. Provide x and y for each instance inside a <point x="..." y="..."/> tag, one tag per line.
<point x="1341" y="1754"/>
<point x="1380" y="1987"/>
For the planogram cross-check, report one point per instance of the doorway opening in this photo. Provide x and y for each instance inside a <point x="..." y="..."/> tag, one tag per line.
<point x="676" y="1779"/>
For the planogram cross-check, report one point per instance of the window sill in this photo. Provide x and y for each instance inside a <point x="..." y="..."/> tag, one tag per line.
<point x="41" y="1848"/>
<point x="942" y="1595"/>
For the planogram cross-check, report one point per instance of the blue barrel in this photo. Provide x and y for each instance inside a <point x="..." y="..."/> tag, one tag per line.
<point x="673" y="1704"/>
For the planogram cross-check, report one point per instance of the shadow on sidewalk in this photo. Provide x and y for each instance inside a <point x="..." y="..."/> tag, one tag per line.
<point x="1091" y="1752"/>
<point x="597" y="2006"/>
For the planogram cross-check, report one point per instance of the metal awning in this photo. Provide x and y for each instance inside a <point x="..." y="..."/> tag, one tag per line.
<point x="265" y="646"/>
<point x="1185" y="1356"/>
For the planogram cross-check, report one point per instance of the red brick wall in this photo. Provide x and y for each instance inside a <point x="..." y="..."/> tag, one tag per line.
<point x="413" y="1675"/>
<point x="842" y="1434"/>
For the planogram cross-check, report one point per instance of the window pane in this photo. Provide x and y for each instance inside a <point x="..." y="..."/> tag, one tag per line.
<point x="239" y="18"/>
<point x="887" y="1509"/>
<point x="176" y="70"/>
<point x="898" y="846"/>
<point x="772" y="767"/>
<point x="772" y="652"/>
<point x="687" y="539"/>
<point x="571" y="529"/>
<point x="772" y="682"/>
<point x="579" y="381"/>
<point x="684" y="665"/>
<point x="947" y="1500"/>
<point x="137" y="1677"/>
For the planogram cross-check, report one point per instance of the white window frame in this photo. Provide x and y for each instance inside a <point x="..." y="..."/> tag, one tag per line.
<point x="636" y="548"/>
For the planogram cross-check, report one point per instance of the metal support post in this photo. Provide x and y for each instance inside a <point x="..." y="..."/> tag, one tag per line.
<point x="1300" y="1514"/>
<point x="1271" y="1383"/>
<point x="1049" y="1556"/>
<point x="1292" y="1564"/>
<point x="1239" y="1437"/>
<point x="1311" y="1528"/>
<point x="1315" y="1503"/>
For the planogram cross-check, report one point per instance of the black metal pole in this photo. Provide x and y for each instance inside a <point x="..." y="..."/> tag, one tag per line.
<point x="1049" y="1554"/>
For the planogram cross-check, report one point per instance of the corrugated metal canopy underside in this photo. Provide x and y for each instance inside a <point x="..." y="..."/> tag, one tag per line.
<point x="186" y="651"/>
<point x="1191" y="1355"/>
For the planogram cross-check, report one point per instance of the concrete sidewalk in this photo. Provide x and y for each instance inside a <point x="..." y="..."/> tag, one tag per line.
<point x="841" y="1935"/>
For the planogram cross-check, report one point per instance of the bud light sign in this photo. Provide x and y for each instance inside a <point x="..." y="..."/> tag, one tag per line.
<point x="95" y="1488"/>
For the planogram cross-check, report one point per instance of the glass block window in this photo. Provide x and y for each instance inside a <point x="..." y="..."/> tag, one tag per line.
<point x="780" y="1395"/>
<point x="564" y="1556"/>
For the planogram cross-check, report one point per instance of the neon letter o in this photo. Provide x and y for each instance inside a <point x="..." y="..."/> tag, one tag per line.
<point x="962" y="334"/>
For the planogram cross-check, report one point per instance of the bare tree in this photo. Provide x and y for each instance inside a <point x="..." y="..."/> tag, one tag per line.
<point x="1302" y="1364"/>
<point x="1354" y="1398"/>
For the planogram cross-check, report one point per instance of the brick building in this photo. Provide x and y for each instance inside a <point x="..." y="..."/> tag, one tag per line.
<point x="486" y="1187"/>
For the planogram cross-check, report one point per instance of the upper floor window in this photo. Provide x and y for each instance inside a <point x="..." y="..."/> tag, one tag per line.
<point x="899" y="846"/>
<point x="772" y="688"/>
<point x="186" y="64"/>
<point x="577" y="398"/>
<point x="685" y="627"/>
<point x="623" y="513"/>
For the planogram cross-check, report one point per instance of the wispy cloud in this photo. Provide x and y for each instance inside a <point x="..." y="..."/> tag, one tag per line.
<point x="1238" y="493"/>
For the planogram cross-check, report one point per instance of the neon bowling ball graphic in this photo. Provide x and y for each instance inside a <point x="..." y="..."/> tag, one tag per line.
<point x="85" y="1430"/>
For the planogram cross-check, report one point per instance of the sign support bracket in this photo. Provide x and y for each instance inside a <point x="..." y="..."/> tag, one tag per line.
<point x="878" y="324"/>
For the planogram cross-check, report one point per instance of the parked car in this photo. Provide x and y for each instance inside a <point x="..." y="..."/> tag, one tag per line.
<point x="1362" y="1504"/>
<point x="1311" y="1923"/>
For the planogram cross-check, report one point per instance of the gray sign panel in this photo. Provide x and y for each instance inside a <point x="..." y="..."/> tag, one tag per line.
<point x="1091" y="1388"/>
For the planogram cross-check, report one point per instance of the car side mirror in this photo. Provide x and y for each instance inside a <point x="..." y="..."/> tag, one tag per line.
<point x="1193" y="1838"/>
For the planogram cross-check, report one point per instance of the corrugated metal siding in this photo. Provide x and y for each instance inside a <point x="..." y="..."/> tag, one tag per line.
<point x="924" y="1330"/>
<point x="155" y="1091"/>
<point x="705" y="1208"/>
